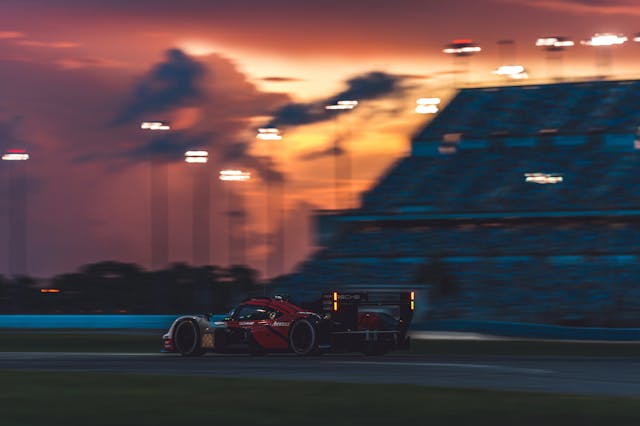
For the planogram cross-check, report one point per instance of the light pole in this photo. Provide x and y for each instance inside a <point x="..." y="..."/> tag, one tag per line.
<point x="341" y="105"/>
<point x="200" y="222"/>
<point x="508" y="68"/>
<point x="506" y="51"/>
<point x="235" y="252"/>
<point x="604" y="43"/>
<point x="16" y="160"/>
<point x="275" y="257"/>
<point x="461" y="50"/>
<point x="554" y="46"/>
<point x="159" y="204"/>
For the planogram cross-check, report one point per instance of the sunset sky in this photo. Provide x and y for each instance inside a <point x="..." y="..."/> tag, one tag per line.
<point x="78" y="76"/>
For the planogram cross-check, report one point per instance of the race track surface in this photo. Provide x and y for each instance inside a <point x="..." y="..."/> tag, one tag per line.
<point x="574" y="375"/>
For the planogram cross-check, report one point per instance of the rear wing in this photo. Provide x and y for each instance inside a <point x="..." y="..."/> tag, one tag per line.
<point x="343" y="307"/>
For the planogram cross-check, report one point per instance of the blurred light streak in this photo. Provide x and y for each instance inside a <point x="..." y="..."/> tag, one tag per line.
<point x="605" y="39"/>
<point x="154" y="125"/>
<point x="543" y="178"/>
<point x="234" y="175"/>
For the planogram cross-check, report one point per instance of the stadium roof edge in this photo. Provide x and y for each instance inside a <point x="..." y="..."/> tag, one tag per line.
<point x="544" y="83"/>
<point x="400" y="216"/>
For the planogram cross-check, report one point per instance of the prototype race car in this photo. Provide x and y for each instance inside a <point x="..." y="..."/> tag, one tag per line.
<point x="373" y="324"/>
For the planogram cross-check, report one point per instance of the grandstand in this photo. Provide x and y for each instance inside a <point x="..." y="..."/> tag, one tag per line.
<point x="517" y="203"/>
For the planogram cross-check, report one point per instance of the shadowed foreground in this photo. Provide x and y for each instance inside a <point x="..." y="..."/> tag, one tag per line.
<point x="105" y="399"/>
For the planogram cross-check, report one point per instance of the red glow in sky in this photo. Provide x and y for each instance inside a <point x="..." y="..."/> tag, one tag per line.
<point x="77" y="76"/>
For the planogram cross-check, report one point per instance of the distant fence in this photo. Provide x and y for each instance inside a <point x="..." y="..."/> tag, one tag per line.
<point x="531" y="331"/>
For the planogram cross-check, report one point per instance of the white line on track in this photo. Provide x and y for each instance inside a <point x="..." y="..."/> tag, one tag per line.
<point x="451" y="365"/>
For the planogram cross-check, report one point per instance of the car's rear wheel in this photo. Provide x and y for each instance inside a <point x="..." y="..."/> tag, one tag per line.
<point x="303" y="337"/>
<point x="186" y="338"/>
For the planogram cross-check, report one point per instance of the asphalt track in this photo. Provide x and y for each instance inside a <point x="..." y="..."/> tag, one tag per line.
<point x="571" y="375"/>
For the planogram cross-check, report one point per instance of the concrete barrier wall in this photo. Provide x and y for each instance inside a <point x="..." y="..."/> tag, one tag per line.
<point x="160" y="322"/>
<point x="134" y="322"/>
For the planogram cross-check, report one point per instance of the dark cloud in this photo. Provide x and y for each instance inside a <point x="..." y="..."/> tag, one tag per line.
<point x="414" y="76"/>
<point x="237" y="153"/>
<point x="372" y="85"/>
<point x="172" y="84"/>
<point x="297" y="114"/>
<point x="169" y="146"/>
<point x="281" y="79"/>
<point x="225" y="102"/>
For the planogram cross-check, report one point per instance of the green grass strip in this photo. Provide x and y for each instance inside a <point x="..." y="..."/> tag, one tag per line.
<point x="34" y="398"/>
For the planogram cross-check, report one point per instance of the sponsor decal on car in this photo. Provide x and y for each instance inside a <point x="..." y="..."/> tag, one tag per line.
<point x="281" y="324"/>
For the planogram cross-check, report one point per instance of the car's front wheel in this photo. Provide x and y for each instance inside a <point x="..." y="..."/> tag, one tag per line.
<point x="186" y="338"/>
<point x="303" y="337"/>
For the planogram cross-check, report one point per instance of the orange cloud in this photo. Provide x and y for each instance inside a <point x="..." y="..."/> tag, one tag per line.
<point x="52" y="45"/>
<point x="11" y="35"/>
<point x="78" y="63"/>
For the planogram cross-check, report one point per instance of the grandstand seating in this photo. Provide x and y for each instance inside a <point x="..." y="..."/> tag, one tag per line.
<point x="482" y="241"/>
<point x="571" y="108"/>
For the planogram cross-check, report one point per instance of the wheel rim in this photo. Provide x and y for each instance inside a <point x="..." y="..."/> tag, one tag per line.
<point x="186" y="337"/>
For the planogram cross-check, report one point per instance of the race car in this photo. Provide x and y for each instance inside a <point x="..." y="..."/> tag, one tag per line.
<point x="345" y="322"/>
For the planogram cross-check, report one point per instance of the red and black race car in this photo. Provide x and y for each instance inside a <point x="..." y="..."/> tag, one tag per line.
<point x="364" y="322"/>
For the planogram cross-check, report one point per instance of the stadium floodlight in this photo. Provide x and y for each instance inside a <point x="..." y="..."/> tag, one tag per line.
<point x="342" y="105"/>
<point x="605" y="39"/>
<point x="516" y="72"/>
<point x="269" y="134"/>
<point x="15" y="155"/>
<point x="604" y="43"/>
<point x="555" y="43"/>
<point x="554" y="46"/>
<point x="461" y="47"/>
<point x="427" y="105"/>
<point x="461" y="50"/>
<point x="155" y="125"/>
<point x="543" y="178"/>
<point x="196" y="157"/>
<point x="234" y="175"/>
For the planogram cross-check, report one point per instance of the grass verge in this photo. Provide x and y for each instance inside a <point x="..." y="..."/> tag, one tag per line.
<point x="35" y="398"/>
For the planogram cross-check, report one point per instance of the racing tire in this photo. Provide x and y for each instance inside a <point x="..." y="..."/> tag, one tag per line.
<point x="186" y="338"/>
<point x="303" y="338"/>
